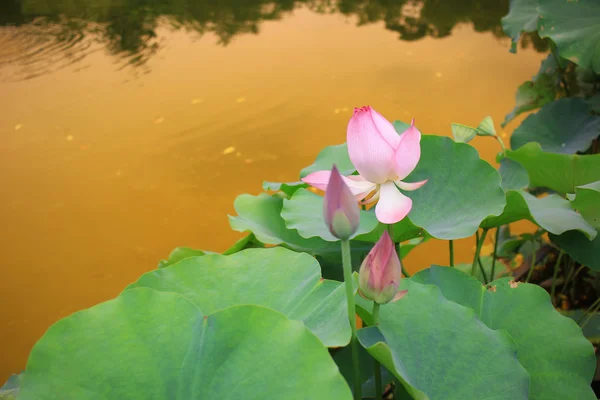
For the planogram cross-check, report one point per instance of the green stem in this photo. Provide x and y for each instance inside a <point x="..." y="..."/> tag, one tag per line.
<point x="483" y="274"/>
<point x="499" y="139"/>
<point x="591" y="311"/>
<point x="347" y="266"/>
<point x="451" y="242"/>
<point x="494" y="255"/>
<point x="480" y="241"/>
<point x="560" y="68"/>
<point x="554" y="275"/>
<point x="532" y="266"/>
<point x="378" y="384"/>
<point x="568" y="278"/>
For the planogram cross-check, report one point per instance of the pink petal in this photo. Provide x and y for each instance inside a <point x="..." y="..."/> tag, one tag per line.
<point x="393" y="206"/>
<point x="359" y="187"/>
<point x="340" y="208"/>
<point x="370" y="145"/>
<point x="410" y="186"/>
<point x="399" y="295"/>
<point x="408" y="152"/>
<point x="385" y="128"/>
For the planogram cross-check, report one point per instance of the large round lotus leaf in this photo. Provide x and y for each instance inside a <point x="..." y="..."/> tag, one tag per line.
<point x="514" y="176"/>
<point x="304" y="212"/>
<point x="575" y="28"/>
<point x="563" y="126"/>
<point x="288" y="188"/>
<point x="559" y="172"/>
<point x="328" y="157"/>
<point x="560" y="361"/>
<point x="277" y="278"/>
<point x="261" y="215"/>
<point x="587" y="202"/>
<point x="440" y="350"/>
<point x="580" y="248"/>
<point x="461" y="191"/>
<point x="553" y="213"/>
<point x="522" y="17"/>
<point x="147" y="344"/>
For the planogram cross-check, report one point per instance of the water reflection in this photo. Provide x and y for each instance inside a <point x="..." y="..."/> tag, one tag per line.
<point x="39" y="36"/>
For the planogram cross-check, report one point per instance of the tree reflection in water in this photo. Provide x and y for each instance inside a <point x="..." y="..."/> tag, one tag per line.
<point x="62" y="32"/>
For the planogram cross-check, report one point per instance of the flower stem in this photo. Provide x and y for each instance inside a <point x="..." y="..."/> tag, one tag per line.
<point x="556" y="269"/>
<point x="347" y="266"/>
<point x="378" y="384"/>
<point x="480" y="241"/>
<point x="593" y="309"/>
<point x="493" y="275"/>
<point x="533" y="259"/>
<point x="451" y="245"/>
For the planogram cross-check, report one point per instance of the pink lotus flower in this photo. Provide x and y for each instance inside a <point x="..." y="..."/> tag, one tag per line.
<point x="380" y="273"/>
<point x="340" y="209"/>
<point x="383" y="159"/>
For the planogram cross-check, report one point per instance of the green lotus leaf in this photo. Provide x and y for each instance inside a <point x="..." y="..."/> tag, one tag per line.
<point x="10" y="390"/>
<point x="329" y="156"/>
<point x="288" y="188"/>
<point x="553" y="213"/>
<point x="522" y="17"/>
<point x="463" y="133"/>
<point x="461" y="191"/>
<point x="563" y="126"/>
<point x="559" y="172"/>
<point x="261" y="215"/>
<point x="532" y="95"/>
<point x="591" y="329"/>
<point x="575" y="28"/>
<point x="304" y="212"/>
<point x="178" y="254"/>
<point x="440" y="350"/>
<point x="486" y="127"/>
<point x="147" y="344"/>
<point x="551" y="347"/>
<point x="278" y="278"/>
<point x="514" y="175"/>
<point x="587" y="202"/>
<point x="580" y="248"/>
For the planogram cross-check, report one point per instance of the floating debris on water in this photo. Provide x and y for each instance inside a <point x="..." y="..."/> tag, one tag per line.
<point x="229" y="150"/>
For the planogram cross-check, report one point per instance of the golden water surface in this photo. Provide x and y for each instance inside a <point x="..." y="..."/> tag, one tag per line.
<point x="105" y="167"/>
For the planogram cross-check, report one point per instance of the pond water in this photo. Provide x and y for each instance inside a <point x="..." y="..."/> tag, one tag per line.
<point x="128" y="128"/>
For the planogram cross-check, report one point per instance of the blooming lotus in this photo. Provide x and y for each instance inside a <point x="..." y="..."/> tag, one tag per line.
<point x="380" y="273"/>
<point x="383" y="159"/>
<point x="340" y="210"/>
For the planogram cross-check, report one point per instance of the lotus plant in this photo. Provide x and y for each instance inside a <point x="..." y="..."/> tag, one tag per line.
<point x="380" y="273"/>
<point x="342" y="217"/>
<point x="383" y="160"/>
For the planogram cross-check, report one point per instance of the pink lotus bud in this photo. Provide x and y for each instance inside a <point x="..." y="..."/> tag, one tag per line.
<point x="340" y="207"/>
<point x="380" y="273"/>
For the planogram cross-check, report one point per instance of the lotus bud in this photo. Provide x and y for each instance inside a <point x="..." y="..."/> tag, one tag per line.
<point x="380" y="273"/>
<point x="340" y="207"/>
